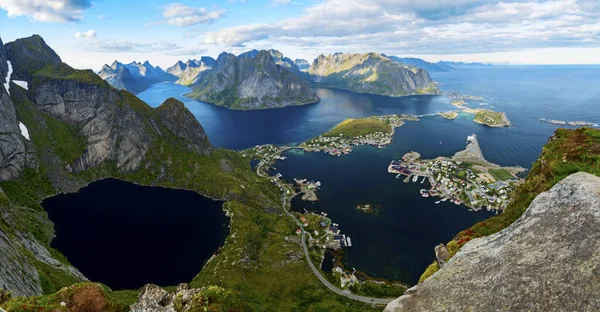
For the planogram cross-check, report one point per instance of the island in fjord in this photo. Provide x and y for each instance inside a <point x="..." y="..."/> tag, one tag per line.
<point x="482" y="116"/>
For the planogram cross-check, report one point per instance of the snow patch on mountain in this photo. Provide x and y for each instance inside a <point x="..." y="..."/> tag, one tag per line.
<point x="21" y="83"/>
<point x="8" y="74"/>
<point x="24" y="130"/>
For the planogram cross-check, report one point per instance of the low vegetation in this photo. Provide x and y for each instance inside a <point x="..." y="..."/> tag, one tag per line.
<point x="491" y="118"/>
<point x="359" y="127"/>
<point x="501" y="174"/>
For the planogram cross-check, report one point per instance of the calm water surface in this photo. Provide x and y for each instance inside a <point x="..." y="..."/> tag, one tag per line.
<point x="398" y="242"/>
<point x="125" y="235"/>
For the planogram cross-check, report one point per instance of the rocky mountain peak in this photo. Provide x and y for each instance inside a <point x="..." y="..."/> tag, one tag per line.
<point x="28" y="55"/>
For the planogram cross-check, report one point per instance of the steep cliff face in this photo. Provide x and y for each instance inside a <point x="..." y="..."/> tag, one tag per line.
<point x="548" y="260"/>
<point x="251" y="83"/>
<point x="15" y="149"/>
<point x="369" y="73"/>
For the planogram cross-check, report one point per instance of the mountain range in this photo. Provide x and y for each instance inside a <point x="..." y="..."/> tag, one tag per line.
<point x="441" y="66"/>
<point x="135" y="76"/>
<point x="267" y="79"/>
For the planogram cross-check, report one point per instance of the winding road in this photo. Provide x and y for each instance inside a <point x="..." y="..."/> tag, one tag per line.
<point x="284" y="204"/>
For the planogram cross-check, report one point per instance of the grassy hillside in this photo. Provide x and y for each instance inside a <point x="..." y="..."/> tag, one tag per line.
<point x="357" y="127"/>
<point x="567" y="152"/>
<point x="259" y="265"/>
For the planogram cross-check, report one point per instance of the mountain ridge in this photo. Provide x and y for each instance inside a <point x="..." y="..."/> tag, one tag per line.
<point x="369" y="73"/>
<point x="251" y="82"/>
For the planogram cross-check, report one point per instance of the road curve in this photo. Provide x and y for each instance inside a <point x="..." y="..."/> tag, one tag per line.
<point x="284" y="204"/>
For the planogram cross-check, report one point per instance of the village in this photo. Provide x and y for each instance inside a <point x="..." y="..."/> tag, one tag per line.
<point x="341" y="139"/>
<point x="475" y="184"/>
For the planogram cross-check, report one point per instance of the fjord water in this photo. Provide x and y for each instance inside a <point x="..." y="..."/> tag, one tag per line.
<point x="398" y="242"/>
<point x="125" y="235"/>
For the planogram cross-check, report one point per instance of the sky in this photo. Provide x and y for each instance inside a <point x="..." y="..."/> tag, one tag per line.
<point x="90" y="33"/>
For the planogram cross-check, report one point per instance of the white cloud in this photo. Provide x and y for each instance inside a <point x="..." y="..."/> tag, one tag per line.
<point x="187" y="52"/>
<point x="425" y="27"/>
<point x="100" y="17"/>
<point x="182" y="15"/>
<point x="86" y="35"/>
<point x="130" y="46"/>
<point x="281" y="2"/>
<point x="47" y="10"/>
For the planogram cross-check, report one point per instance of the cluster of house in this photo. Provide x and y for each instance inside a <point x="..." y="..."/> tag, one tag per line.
<point x="333" y="237"/>
<point x="260" y="151"/>
<point x="456" y="182"/>
<point x="338" y="145"/>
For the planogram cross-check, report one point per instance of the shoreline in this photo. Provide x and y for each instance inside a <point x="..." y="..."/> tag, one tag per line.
<point x="466" y="178"/>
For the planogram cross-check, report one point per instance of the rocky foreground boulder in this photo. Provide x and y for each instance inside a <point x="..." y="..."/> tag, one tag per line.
<point x="548" y="260"/>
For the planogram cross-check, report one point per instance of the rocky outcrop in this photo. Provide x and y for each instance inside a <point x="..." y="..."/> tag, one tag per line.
<point x="441" y="255"/>
<point x="251" y="83"/>
<point x="369" y="73"/>
<point x="548" y="260"/>
<point x="185" y="299"/>
<point x="184" y="125"/>
<point x="17" y="274"/>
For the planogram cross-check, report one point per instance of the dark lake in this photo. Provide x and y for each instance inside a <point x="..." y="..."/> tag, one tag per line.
<point x="125" y="235"/>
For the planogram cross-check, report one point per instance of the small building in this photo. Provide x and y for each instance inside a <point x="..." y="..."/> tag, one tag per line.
<point x="334" y="229"/>
<point x="298" y="231"/>
<point x="323" y="224"/>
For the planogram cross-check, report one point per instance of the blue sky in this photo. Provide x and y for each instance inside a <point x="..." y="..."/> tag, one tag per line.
<point x="87" y="34"/>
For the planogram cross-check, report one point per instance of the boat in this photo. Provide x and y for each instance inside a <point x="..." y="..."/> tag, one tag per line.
<point x="437" y="202"/>
<point x="348" y="241"/>
<point x="425" y="195"/>
<point x="423" y="180"/>
<point x="457" y="202"/>
<point x="398" y="176"/>
<point x="415" y="178"/>
<point x="444" y="199"/>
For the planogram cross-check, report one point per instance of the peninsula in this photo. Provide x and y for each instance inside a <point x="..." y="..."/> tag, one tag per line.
<point x="464" y="178"/>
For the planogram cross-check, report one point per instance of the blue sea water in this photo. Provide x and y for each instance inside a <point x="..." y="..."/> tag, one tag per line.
<point x="398" y="242"/>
